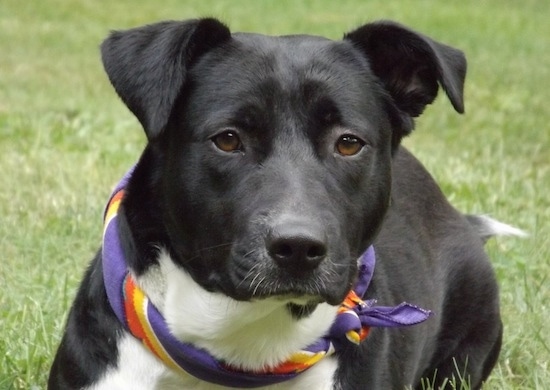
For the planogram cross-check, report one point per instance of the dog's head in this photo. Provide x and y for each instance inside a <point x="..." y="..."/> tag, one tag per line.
<point x="268" y="167"/>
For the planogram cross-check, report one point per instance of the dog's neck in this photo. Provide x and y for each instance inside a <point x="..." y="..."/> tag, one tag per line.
<point x="249" y="336"/>
<point x="229" y="342"/>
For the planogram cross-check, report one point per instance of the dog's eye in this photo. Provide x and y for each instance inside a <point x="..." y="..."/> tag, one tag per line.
<point x="349" y="145"/>
<point x="228" y="141"/>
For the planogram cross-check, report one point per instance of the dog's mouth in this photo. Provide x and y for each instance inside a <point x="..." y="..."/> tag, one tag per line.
<point x="301" y="295"/>
<point x="300" y="301"/>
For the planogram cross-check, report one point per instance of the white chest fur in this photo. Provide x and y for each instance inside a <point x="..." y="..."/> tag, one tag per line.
<point x="249" y="335"/>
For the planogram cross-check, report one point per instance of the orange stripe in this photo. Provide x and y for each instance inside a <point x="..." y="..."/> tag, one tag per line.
<point x="365" y="330"/>
<point x="136" y="306"/>
<point x="132" y="318"/>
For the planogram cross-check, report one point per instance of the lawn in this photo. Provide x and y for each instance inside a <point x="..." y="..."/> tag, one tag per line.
<point x="65" y="139"/>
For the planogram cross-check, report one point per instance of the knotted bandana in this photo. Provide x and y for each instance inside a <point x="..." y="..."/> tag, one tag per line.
<point x="142" y="319"/>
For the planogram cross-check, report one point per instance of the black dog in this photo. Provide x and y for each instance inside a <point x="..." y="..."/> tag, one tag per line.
<point x="231" y="249"/>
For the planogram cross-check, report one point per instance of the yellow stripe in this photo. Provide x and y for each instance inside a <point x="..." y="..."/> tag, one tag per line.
<point x="111" y="213"/>
<point x="140" y="303"/>
<point x="306" y="357"/>
<point x="112" y="210"/>
<point x="114" y="204"/>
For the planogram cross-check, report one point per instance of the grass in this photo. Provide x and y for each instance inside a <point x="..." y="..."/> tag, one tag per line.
<point x="65" y="139"/>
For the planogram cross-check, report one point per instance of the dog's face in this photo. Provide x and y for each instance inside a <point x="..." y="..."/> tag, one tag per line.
<point x="280" y="174"/>
<point x="273" y="155"/>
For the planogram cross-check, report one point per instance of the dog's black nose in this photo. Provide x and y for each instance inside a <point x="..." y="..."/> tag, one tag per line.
<point x="296" y="248"/>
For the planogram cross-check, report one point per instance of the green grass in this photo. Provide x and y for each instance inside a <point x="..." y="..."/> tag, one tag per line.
<point x="65" y="139"/>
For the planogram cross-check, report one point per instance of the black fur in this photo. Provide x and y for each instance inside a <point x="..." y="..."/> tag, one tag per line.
<point x="285" y="200"/>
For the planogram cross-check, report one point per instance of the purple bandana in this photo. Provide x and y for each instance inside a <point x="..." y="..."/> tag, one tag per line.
<point x="144" y="321"/>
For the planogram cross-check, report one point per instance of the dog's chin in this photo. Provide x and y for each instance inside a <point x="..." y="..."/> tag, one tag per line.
<point x="298" y="311"/>
<point x="298" y="307"/>
<point x="301" y="301"/>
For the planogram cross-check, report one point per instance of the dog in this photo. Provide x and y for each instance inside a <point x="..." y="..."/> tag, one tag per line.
<point x="274" y="232"/>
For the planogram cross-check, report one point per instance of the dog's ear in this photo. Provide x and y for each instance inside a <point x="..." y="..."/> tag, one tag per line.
<point x="411" y="66"/>
<point x="148" y="65"/>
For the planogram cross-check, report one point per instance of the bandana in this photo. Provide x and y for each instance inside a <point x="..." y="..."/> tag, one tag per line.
<point x="142" y="319"/>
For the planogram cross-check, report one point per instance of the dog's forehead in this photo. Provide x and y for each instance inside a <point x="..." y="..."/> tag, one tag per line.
<point x="290" y="59"/>
<point x="297" y="68"/>
<point x="281" y="42"/>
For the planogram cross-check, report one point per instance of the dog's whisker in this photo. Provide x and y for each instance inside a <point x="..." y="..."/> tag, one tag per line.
<point x="217" y="246"/>
<point x="255" y="290"/>
<point x="198" y="253"/>
<point x="249" y="274"/>
<point x="249" y="253"/>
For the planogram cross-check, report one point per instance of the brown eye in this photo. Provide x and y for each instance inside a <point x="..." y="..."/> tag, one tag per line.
<point x="349" y="145"/>
<point x="228" y="141"/>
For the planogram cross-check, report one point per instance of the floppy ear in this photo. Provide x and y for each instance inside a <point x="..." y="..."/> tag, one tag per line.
<point x="411" y="66"/>
<point x="148" y="65"/>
